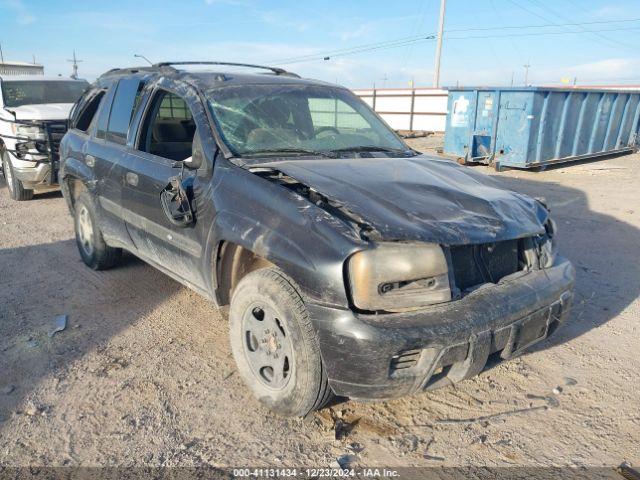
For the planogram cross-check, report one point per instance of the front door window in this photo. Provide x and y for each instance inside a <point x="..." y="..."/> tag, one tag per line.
<point x="169" y="128"/>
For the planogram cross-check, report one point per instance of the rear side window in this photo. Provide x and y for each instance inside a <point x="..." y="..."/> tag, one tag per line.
<point x="103" y="114"/>
<point x="88" y="112"/>
<point x="126" y="99"/>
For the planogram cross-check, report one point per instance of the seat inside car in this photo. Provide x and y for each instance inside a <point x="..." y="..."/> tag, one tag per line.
<point x="172" y="138"/>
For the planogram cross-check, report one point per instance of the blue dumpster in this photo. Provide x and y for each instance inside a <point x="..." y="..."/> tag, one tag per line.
<point x="534" y="126"/>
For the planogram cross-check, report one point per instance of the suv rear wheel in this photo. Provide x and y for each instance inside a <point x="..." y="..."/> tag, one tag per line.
<point x="94" y="251"/>
<point x="274" y="344"/>
<point x="15" y="186"/>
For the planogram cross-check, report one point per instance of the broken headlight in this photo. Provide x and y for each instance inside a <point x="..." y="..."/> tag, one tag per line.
<point x="399" y="276"/>
<point x="30" y="140"/>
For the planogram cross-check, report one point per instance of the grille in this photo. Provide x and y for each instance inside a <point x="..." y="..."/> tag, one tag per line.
<point x="404" y="360"/>
<point x="483" y="263"/>
<point x="57" y="131"/>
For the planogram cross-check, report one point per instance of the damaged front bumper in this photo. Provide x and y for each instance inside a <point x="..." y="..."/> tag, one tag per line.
<point x="35" y="160"/>
<point x="32" y="173"/>
<point x="370" y="356"/>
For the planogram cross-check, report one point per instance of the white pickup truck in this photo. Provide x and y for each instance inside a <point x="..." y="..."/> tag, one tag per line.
<point x="33" y="119"/>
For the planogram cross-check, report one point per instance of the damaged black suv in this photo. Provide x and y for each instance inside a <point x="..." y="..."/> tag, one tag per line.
<point x="352" y="264"/>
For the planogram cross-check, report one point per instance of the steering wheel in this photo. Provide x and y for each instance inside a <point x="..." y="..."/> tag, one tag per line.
<point x="327" y="129"/>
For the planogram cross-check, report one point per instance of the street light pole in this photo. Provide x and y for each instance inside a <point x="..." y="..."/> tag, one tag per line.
<point x="137" y="55"/>
<point x="436" y="72"/>
<point x="526" y="74"/>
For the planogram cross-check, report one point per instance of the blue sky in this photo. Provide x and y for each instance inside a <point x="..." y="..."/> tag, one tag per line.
<point x="107" y="34"/>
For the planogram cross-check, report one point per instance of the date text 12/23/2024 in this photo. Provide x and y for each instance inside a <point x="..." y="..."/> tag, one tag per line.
<point x="315" y="473"/>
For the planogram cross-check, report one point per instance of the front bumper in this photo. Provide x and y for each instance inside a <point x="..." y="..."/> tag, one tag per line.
<point x="35" y="161"/>
<point x="390" y="355"/>
<point x="31" y="174"/>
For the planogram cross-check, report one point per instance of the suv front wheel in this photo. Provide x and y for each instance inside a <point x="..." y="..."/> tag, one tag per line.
<point x="274" y="344"/>
<point x="94" y="251"/>
<point x="15" y="186"/>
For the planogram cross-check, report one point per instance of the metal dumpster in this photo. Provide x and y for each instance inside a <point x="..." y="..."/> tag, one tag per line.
<point x="534" y="126"/>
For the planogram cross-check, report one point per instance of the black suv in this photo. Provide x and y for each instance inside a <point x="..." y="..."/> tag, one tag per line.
<point x="352" y="264"/>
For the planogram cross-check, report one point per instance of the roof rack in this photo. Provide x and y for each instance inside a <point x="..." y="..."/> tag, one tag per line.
<point x="128" y="70"/>
<point x="276" y="70"/>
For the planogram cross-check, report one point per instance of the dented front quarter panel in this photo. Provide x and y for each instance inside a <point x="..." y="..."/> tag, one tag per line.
<point x="305" y="241"/>
<point x="361" y="200"/>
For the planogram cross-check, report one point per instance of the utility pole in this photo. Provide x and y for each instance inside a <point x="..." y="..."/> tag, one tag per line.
<point x="1" y="54"/>
<point x="436" y="72"/>
<point x="75" y="62"/>
<point x="526" y="73"/>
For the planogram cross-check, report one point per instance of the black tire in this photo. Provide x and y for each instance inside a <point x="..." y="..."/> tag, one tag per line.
<point x="95" y="253"/>
<point x="294" y="344"/>
<point x="15" y="186"/>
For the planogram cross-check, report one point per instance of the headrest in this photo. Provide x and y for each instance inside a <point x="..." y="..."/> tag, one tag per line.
<point x="171" y="131"/>
<point x="271" y="138"/>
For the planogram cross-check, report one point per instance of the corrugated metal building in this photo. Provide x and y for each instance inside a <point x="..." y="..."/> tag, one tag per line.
<point x="21" y="68"/>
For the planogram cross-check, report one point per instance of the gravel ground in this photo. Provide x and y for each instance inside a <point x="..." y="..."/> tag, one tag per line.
<point x="143" y="374"/>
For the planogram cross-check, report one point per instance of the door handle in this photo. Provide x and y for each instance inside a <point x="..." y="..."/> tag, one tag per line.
<point x="90" y="160"/>
<point x="131" y="178"/>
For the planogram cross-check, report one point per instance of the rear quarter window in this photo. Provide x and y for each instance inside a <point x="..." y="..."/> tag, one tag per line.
<point x="126" y="99"/>
<point x="88" y="110"/>
<point x="103" y="114"/>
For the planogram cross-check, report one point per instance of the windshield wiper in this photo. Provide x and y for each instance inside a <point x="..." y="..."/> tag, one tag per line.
<point x="371" y="148"/>
<point x="299" y="151"/>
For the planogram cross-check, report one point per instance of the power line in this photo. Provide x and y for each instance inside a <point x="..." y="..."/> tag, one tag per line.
<point x="343" y="50"/>
<point x="511" y="42"/>
<point x="399" y="42"/>
<point x="417" y="27"/>
<point x="543" y="33"/>
<point x="557" y="15"/>
<point x="362" y="48"/>
<point x="603" y="37"/>
<point x="581" y="7"/>
<point x="544" y="25"/>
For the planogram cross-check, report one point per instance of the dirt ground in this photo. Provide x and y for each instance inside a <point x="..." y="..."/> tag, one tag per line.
<point x="143" y="374"/>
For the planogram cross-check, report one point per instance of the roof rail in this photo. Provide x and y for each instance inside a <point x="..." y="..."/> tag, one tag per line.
<point x="128" y="70"/>
<point x="276" y="70"/>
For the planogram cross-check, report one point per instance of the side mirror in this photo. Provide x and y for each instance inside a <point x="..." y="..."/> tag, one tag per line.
<point x="196" y="159"/>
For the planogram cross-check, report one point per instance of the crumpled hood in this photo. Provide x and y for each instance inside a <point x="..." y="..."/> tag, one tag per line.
<point x="46" y="111"/>
<point x="421" y="198"/>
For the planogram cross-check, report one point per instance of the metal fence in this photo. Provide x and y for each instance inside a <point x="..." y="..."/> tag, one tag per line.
<point x="414" y="109"/>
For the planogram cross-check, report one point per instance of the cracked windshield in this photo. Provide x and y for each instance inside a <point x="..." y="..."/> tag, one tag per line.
<point x="294" y="119"/>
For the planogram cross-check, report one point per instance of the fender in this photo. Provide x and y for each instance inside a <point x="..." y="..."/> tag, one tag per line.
<point x="76" y="169"/>
<point x="277" y="224"/>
